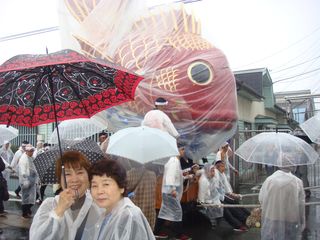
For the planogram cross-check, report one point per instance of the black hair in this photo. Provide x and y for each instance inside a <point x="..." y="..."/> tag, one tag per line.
<point x="112" y="169"/>
<point x="103" y="134"/>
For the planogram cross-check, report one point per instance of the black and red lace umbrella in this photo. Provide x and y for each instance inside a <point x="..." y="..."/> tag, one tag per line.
<point x="39" y="89"/>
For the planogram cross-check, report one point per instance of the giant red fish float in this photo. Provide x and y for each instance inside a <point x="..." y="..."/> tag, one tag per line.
<point x="165" y="45"/>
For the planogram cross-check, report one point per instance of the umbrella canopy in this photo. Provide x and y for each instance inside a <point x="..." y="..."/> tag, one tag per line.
<point x="78" y="128"/>
<point x="38" y="89"/>
<point x="142" y="144"/>
<point x="45" y="162"/>
<point x="311" y="127"/>
<point x="277" y="149"/>
<point x="7" y="133"/>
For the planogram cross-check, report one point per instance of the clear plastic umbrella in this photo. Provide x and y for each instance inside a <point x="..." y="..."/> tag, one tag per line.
<point x="277" y="149"/>
<point x="142" y="144"/>
<point x="7" y="133"/>
<point x="79" y="128"/>
<point x="311" y="127"/>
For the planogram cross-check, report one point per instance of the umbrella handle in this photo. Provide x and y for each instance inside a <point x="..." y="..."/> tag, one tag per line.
<point x="76" y="194"/>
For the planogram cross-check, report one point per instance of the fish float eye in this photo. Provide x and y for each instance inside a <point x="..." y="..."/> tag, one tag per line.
<point x="200" y="73"/>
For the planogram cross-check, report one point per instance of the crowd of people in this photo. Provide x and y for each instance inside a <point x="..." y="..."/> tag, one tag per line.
<point x="104" y="200"/>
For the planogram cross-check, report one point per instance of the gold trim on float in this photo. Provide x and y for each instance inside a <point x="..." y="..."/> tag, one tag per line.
<point x="73" y="13"/>
<point x="185" y="20"/>
<point x="211" y="74"/>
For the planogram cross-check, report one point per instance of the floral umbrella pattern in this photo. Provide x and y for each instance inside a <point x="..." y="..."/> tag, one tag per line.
<point x="81" y="87"/>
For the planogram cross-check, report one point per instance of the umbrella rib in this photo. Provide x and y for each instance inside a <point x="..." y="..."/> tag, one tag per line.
<point x="35" y="98"/>
<point x="92" y="70"/>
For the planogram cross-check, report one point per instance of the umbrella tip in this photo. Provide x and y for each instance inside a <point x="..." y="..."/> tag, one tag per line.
<point x="47" y="51"/>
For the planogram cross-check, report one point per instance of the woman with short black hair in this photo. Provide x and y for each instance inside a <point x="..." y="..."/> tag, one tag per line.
<point x="121" y="219"/>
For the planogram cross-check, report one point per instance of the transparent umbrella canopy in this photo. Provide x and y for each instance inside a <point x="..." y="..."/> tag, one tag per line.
<point x="79" y="128"/>
<point x="7" y="133"/>
<point x="277" y="149"/>
<point x="311" y="127"/>
<point x="142" y="144"/>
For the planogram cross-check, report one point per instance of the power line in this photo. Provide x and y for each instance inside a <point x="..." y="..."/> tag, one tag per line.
<point x="299" y="64"/>
<point x="27" y="34"/>
<point x="284" y="79"/>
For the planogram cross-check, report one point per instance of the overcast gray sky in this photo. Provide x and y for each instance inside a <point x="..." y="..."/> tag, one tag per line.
<point x="283" y="35"/>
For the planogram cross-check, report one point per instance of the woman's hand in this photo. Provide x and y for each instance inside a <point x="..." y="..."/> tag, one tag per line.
<point x="66" y="199"/>
<point x="174" y="193"/>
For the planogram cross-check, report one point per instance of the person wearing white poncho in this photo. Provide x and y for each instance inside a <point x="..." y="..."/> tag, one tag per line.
<point x="172" y="190"/>
<point x="121" y="219"/>
<point x="7" y="156"/>
<point x="208" y="194"/>
<point x="72" y="215"/>
<point x="28" y="178"/>
<point x="158" y="119"/>
<point x="282" y="200"/>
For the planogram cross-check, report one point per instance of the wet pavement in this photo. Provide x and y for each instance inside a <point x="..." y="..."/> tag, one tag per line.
<point x="15" y="227"/>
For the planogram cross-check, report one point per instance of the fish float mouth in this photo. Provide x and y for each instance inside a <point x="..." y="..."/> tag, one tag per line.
<point x="209" y="125"/>
<point x="224" y="120"/>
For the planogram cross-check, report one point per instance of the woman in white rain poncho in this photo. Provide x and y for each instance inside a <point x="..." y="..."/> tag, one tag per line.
<point x="28" y="178"/>
<point x="282" y="200"/>
<point x="7" y="155"/>
<point x="72" y="214"/>
<point x="208" y="193"/>
<point x="121" y="219"/>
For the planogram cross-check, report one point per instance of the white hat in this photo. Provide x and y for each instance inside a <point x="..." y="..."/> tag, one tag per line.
<point x="225" y="144"/>
<point x="29" y="147"/>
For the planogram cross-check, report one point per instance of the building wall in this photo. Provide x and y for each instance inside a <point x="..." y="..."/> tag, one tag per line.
<point x="248" y="110"/>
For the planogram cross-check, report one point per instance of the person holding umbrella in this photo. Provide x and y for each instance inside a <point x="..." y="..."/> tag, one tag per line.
<point x="72" y="214"/>
<point x="282" y="201"/>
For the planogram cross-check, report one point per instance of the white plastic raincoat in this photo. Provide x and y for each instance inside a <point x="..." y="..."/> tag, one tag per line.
<point x="282" y="200"/>
<point x="16" y="159"/>
<point x="46" y="225"/>
<point x="160" y="120"/>
<point x="28" y="178"/>
<point x="208" y="193"/>
<point x="125" y="222"/>
<point x="7" y="155"/>
<point x="172" y="180"/>
<point x="224" y="184"/>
